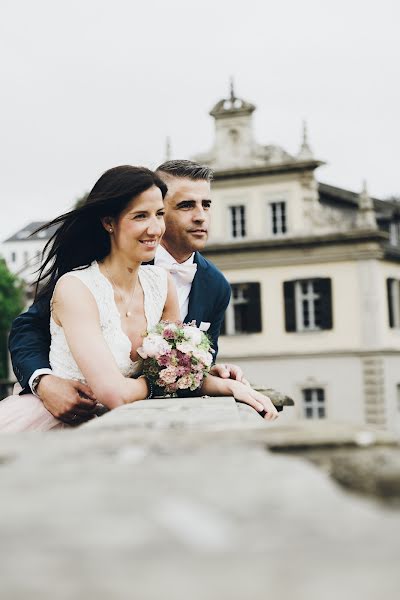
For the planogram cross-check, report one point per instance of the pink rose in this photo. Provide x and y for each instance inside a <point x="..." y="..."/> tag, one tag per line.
<point x="164" y="360"/>
<point x="184" y="382"/>
<point x="169" y="334"/>
<point x="172" y="387"/>
<point x="183" y="359"/>
<point x="168" y="375"/>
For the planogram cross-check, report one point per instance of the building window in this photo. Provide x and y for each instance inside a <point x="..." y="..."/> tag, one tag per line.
<point x="278" y="218"/>
<point x="394" y="233"/>
<point x="13" y="257"/>
<point x="26" y="256"/>
<point x="314" y="403"/>
<point x="238" y="221"/>
<point x="243" y="314"/>
<point x="308" y="304"/>
<point x="393" y="294"/>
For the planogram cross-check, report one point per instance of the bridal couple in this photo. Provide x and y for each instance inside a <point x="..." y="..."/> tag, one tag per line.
<point x="76" y="347"/>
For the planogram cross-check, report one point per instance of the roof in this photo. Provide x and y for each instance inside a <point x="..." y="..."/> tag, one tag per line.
<point x="385" y="209"/>
<point x="25" y="234"/>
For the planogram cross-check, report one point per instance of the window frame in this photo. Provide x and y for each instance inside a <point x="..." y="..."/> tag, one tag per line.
<point x="394" y="233"/>
<point x="294" y="304"/>
<point x="243" y="221"/>
<point x="228" y="327"/>
<point x="393" y="302"/>
<point x="270" y="205"/>
<point x="315" y="404"/>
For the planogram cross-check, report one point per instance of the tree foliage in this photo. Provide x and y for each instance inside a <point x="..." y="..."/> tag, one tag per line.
<point x="11" y="304"/>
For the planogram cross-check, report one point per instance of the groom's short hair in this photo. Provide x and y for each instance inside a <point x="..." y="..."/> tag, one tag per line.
<point x="185" y="168"/>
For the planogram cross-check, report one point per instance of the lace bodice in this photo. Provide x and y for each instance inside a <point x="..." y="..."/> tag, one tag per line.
<point x="154" y="284"/>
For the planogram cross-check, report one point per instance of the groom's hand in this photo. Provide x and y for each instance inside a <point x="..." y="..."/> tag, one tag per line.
<point x="69" y="401"/>
<point x="228" y="371"/>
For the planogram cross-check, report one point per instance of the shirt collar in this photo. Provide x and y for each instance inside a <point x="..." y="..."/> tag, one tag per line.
<point x="164" y="257"/>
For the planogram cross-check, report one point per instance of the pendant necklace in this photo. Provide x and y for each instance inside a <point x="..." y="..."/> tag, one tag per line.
<point x="127" y="311"/>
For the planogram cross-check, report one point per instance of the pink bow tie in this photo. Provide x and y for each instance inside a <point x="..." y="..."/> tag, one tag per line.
<point x="184" y="273"/>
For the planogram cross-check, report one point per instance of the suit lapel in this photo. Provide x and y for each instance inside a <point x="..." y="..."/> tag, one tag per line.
<point x="198" y="292"/>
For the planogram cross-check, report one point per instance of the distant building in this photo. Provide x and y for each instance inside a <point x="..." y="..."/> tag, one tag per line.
<point x="315" y="276"/>
<point x="23" y="251"/>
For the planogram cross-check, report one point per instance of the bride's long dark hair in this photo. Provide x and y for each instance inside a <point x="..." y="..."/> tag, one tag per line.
<point x="80" y="237"/>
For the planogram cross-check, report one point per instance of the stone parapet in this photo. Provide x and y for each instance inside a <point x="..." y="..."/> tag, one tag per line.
<point x="182" y="498"/>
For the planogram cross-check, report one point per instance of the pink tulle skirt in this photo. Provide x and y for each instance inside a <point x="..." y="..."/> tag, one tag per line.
<point x="26" y="413"/>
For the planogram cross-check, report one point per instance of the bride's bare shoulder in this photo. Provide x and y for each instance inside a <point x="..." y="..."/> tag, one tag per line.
<point x="71" y="294"/>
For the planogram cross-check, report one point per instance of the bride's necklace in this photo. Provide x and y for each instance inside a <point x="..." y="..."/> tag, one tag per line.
<point x="117" y="289"/>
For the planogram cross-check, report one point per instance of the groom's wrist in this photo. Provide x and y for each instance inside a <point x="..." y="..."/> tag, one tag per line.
<point x="36" y="378"/>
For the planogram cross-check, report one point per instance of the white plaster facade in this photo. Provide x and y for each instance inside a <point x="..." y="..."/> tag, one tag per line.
<point x="329" y="233"/>
<point x="22" y="251"/>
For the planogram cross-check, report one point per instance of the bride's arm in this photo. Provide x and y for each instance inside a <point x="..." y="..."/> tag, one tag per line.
<point x="216" y="386"/>
<point x="75" y="309"/>
<point x="171" y="307"/>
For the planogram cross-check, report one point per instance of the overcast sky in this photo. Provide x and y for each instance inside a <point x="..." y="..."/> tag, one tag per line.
<point x="90" y="84"/>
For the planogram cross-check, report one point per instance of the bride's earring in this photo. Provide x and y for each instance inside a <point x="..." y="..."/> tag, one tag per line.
<point x="111" y="230"/>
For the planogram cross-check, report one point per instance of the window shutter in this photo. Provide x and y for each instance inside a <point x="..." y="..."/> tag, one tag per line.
<point x="324" y="288"/>
<point x="389" y="285"/>
<point x="254" y="308"/>
<point x="290" y="311"/>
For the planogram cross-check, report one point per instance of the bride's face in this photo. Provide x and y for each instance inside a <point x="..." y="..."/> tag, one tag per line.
<point x="137" y="231"/>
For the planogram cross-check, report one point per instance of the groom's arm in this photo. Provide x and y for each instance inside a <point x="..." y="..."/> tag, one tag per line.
<point x="29" y="342"/>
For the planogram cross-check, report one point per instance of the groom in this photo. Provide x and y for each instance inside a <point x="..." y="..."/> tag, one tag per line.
<point x="203" y="294"/>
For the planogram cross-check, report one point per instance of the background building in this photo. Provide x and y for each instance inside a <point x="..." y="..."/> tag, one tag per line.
<point x="315" y="275"/>
<point x="314" y="270"/>
<point x="23" y="251"/>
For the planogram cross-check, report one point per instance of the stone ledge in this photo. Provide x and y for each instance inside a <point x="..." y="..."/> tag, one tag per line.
<point x="119" y="509"/>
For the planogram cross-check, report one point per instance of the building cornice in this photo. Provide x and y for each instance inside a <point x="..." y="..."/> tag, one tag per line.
<point x="260" y="171"/>
<point x="341" y="237"/>
<point x="338" y="247"/>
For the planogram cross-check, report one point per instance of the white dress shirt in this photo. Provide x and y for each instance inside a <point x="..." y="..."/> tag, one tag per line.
<point x="165" y="260"/>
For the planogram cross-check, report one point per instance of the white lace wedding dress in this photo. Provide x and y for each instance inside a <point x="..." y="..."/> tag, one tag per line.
<point x="26" y="412"/>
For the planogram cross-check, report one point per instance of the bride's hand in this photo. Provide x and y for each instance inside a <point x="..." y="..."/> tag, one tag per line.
<point x="258" y="401"/>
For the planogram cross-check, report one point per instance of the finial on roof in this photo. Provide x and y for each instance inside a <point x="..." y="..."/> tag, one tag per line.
<point x="232" y="89"/>
<point x="305" y="152"/>
<point x="168" y="148"/>
<point x="366" y="218"/>
<point x="364" y="187"/>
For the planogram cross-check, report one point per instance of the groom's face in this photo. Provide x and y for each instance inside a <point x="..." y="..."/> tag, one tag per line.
<point x="187" y="216"/>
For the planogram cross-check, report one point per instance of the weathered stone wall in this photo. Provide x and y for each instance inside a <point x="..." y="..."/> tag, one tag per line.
<point x="183" y="499"/>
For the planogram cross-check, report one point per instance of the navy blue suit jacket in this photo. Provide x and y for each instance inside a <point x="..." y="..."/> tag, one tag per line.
<point x="29" y="340"/>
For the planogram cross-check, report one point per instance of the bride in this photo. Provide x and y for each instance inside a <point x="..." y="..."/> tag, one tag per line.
<point x="102" y="299"/>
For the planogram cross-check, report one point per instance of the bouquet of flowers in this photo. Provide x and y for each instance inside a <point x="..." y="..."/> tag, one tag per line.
<point x="177" y="356"/>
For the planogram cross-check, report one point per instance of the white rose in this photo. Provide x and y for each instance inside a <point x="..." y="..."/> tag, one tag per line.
<point x="186" y="347"/>
<point x="193" y="334"/>
<point x="204" y="357"/>
<point x="153" y="345"/>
